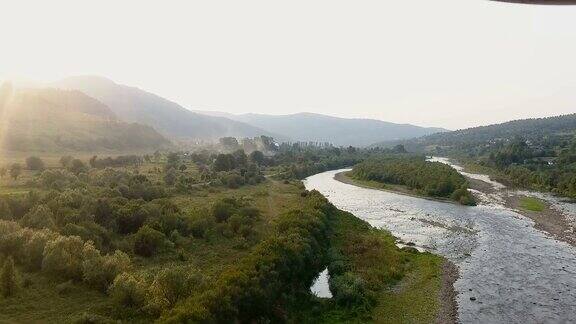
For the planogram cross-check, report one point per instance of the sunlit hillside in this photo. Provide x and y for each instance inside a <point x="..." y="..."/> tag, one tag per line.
<point x="58" y="120"/>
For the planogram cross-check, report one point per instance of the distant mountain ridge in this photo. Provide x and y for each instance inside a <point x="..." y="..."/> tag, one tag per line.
<point x="169" y="118"/>
<point x="533" y="129"/>
<point x="336" y="130"/>
<point x="136" y="105"/>
<point x="64" y="120"/>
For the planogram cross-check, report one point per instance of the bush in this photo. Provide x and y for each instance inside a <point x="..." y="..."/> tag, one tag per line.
<point x="348" y="289"/>
<point x="222" y="210"/>
<point x="39" y="217"/>
<point x="8" y="279"/>
<point x="173" y="284"/>
<point x="63" y="257"/>
<point x="147" y="241"/>
<point x="127" y="291"/>
<point x="99" y="271"/>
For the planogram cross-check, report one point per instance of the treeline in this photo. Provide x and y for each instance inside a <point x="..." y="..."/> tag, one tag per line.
<point x="537" y="154"/>
<point x="550" y="167"/>
<point x="432" y="179"/>
<point x="254" y="289"/>
<point x="298" y="161"/>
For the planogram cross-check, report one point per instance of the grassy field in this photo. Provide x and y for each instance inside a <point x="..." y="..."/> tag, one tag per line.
<point x="532" y="204"/>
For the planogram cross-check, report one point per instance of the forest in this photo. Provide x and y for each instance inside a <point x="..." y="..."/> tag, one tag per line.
<point x="432" y="179"/>
<point x="538" y="154"/>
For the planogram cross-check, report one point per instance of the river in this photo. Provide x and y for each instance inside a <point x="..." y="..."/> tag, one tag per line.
<point x="510" y="272"/>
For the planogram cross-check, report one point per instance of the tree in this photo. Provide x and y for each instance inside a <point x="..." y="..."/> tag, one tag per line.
<point x="224" y="162"/>
<point x="15" y="170"/>
<point x="240" y="158"/>
<point x="34" y="163"/>
<point x="3" y="172"/>
<point x="39" y="217"/>
<point x="8" y="281"/>
<point x="147" y="241"/>
<point x="257" y="157"/>
<point x="63" y="257"/>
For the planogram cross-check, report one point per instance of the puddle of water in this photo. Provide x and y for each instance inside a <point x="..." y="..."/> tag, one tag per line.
<point x="320" y="287"/>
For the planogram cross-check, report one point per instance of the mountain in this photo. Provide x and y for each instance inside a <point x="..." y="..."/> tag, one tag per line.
<point x="338" y="131"/>
<point x="63" y="120"/>
<point x="136" y="105"/>
<point x="534" y="130"/>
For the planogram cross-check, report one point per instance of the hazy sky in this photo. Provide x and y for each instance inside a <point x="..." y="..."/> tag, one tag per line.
<point x="449" y="63"/>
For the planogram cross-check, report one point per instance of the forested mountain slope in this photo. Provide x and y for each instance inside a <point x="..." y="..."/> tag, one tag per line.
<point x="59" y="120"/>
<point x="535" y="130"/>
<point x="136" y="105"/>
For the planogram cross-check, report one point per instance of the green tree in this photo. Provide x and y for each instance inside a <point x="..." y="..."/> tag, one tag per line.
<point x="224" y="162"/>
<point x="35" y="163"/>
<point x="257" y="157"/>
<point x="8" y="280"/>
<point x="39" y="217"/>
<point x="147" y="241"/>
<point x="15" y="170"/>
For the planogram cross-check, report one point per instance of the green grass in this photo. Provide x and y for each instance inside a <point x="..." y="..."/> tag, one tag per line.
<point x="42" y="302"/>
<point x="532" y="204"/>
<point x="415" y="298"/>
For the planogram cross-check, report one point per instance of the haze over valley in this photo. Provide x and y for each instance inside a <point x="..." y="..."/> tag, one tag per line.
<point x="301" y="162"/>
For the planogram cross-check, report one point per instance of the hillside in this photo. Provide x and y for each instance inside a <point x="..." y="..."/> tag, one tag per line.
<point x="136" y="105"/>
<point x="338" y="131"/>
<point x="59" y="120"/>
<point x="535" y="130"/>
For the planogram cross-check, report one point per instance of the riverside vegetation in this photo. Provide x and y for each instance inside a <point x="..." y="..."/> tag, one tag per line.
<point x="413" y="174"/>
<point x="198" y="237"/>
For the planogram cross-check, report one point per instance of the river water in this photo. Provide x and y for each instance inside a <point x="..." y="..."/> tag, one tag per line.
<point x="509" y="271"/>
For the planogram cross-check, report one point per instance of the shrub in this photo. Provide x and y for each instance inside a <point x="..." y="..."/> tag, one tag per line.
<point x="171" y="285"/>
<point x="39" y="217"/>
<point x="127" y="291"/>
<point x="222" y="210"/>
<point x="5" y="210"/>
<point x="348" y="289"/>
<point x="34" y="248"/>
<point x="147" y="241"/>
<point x="8" y="279"/>
<point x="63" y="257"/>
<point x="99" y="271"/>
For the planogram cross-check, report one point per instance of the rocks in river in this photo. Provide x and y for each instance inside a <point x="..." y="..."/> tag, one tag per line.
<point x="411" y="244"/>
<point x="472" y="298"/>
